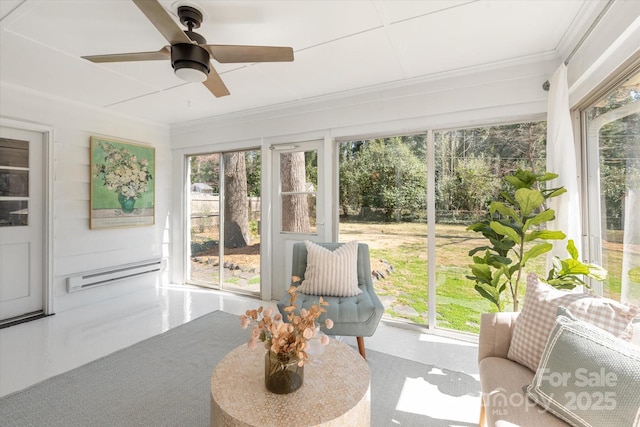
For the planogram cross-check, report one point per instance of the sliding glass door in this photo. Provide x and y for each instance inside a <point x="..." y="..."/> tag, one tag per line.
<point x="224" y="221"/>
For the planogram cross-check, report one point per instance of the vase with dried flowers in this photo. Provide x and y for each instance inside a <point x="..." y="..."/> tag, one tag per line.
<point x="287" y="343"/>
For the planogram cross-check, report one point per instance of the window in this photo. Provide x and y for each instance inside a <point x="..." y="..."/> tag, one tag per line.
<point x="383" y="201"/>
<point x="470" y="164"/>
<point x="612" y="137"/>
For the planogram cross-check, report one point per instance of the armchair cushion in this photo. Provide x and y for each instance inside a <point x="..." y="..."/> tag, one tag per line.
<point x="331" y="272"/>
<point x="356" y="316"/>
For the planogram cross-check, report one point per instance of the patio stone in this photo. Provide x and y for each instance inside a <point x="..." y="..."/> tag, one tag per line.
<point x="405" y="310"/>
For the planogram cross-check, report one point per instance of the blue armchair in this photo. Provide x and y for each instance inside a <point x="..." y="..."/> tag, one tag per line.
<point x="356" y="316"/>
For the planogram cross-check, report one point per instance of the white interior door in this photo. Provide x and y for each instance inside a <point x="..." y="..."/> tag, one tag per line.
<point x="21" y="223"/>
<point x="298" y="204"/>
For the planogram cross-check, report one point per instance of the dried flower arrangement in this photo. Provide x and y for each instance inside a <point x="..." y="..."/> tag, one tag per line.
<point x="289" y="340"/>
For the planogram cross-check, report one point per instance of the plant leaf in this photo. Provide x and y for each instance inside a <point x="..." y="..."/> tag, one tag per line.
<point x="571" y="248"/>
<point x="535" y="251"/>
<point x="556" y="192"/>
<point x="528" y="200"/>
<point x="482" y="272"/>
<point x="505" y="230"/>
<point x="544" y="235"/>
<point x="573" y="267"/>
<point x="489" y="293"/>
<point x="505" y="210"/>
<point x="597" y="272"/>
<point x="547" y="176"/>
<point x="543" y="216"/>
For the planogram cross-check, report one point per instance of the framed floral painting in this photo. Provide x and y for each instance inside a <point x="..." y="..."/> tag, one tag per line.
<point x="122" y="184"/>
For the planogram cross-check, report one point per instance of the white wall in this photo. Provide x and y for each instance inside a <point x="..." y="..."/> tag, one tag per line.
<point x="508" y="93"/>
<point x="76" y="248"/>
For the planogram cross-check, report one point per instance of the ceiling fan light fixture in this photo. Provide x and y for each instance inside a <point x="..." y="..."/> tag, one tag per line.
<point x="192" y="75"/>
<point x="190" y="62"/>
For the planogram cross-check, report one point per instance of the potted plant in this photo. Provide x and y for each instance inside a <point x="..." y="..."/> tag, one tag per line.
<point x="516" y="235"/>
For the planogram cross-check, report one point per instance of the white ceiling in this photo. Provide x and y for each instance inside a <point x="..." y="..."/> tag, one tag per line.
<point x="339" y="47"/>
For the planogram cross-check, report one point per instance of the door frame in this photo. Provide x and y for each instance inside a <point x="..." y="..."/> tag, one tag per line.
<point x="326" y="201"/>
<point x="47" y="132"/>
<point x="179" y="258"/>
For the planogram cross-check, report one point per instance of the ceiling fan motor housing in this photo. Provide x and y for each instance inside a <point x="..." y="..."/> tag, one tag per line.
<point x="191" y="56"/>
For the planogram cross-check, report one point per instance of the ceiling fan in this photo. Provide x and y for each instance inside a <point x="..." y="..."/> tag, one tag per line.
<point x="189" y="52"/>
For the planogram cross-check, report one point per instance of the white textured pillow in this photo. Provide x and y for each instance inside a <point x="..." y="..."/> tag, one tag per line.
<point x="331" y="273"/>
<point x="538" y="316"/>
<point x="581" y="363"/>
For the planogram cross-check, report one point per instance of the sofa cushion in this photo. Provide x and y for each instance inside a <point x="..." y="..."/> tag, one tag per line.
<point x="538" y="315"/>
<point x="331" y="273"/>
<point x="505" y="403"/>
<point x="587" y="376"/>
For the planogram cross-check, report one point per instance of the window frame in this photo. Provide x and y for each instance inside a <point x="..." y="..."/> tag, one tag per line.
<point x="590" y="194"/>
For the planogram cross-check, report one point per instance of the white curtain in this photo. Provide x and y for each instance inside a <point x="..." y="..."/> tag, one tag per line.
<point x="561" y="159"/>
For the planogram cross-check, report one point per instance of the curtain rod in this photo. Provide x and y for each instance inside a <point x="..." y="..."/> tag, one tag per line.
<point x="546" y="85"/>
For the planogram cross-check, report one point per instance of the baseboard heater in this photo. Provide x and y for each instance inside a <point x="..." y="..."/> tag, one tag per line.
<point x="105" y="276"/>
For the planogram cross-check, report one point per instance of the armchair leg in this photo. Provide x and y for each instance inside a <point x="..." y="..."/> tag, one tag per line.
<point x="482" y="422"/>
<point x="361" y="347"/>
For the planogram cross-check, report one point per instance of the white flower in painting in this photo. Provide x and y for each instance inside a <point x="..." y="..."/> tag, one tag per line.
<point x="122" y="172"/>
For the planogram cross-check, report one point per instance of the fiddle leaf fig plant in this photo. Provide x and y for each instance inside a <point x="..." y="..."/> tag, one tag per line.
<point x="514" y="236"/>
<point x="566" y="274"/>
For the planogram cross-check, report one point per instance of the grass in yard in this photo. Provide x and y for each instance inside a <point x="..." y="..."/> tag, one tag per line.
<point x="458" y="305"/>
<point x="404" y="246"/>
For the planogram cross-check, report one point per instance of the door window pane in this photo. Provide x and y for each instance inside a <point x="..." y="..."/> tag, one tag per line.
<point x="299" y="184"/>
<point x="14" y="153"/>
<point x="13" y="213"/>
<point x="613" y="143"/>
<point x="14" y="182"/>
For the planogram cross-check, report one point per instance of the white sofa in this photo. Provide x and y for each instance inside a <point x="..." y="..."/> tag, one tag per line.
<point x="503" y="401"/>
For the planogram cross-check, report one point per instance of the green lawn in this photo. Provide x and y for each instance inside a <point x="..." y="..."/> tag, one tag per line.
<point x="405" y="290"/>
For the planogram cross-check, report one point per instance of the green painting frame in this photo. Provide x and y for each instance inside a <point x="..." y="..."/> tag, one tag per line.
<point x="122" y="184"/>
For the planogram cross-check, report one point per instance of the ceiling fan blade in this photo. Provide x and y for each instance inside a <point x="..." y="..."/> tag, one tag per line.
<point x="215" y="84"/>
<point x="164" y="53"/>
<point x="159" y="17"/>
<point x="239" y="53"/>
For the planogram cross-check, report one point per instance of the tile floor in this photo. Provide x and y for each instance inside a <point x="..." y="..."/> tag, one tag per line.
<point x="33" y="351"/>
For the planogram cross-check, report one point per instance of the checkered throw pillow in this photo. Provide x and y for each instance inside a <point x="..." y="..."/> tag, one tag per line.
<point x="538" y="315"/>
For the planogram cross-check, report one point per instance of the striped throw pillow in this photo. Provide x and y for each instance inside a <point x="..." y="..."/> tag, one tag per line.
<point x="331" y="273"/>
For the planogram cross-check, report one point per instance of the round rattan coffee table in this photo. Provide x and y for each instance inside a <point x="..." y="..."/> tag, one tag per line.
<point x="336" y="393"/>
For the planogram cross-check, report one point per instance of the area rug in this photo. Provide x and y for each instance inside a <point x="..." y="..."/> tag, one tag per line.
<point x="165" y="380"/>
